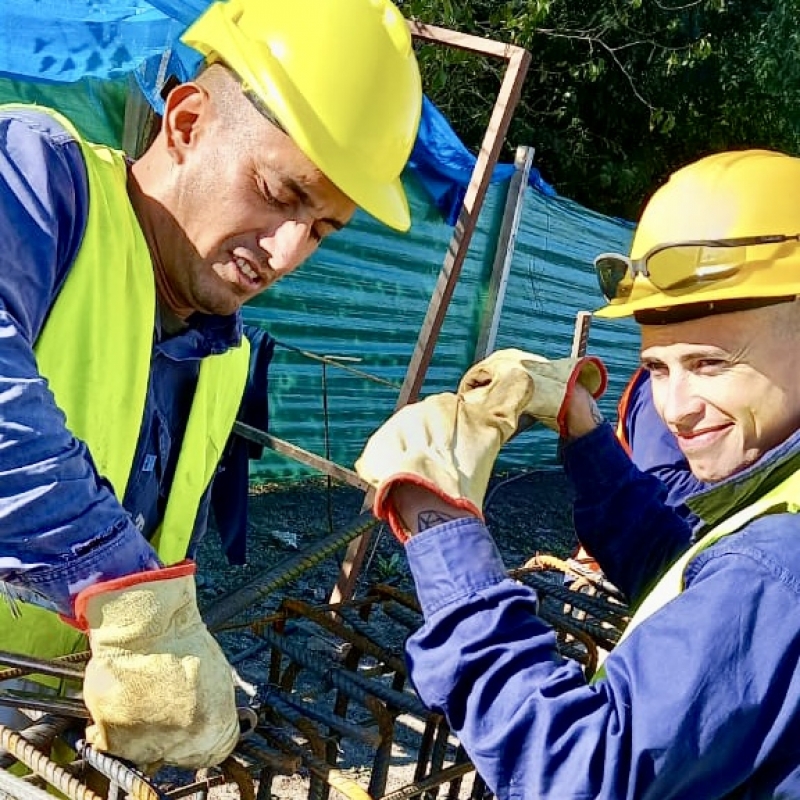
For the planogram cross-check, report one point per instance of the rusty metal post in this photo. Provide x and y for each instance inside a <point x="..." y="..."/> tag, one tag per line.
<point x="518" y="60"/>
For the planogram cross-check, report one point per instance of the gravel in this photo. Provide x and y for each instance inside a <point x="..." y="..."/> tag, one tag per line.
<point x="527" y="512"/>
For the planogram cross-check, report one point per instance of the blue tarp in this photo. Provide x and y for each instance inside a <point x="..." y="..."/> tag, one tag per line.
<point x="444" y="165"/>
<point x="65" y="41"/>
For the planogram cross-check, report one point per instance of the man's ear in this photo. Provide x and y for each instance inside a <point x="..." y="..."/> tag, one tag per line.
<point x="187" y="109"/>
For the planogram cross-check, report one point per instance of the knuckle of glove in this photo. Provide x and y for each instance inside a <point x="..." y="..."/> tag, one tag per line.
<point x="407" y="438"/>
<point x="163" y="708"/>
<point x="593" y="375"/>
<point x="516" y="387"/>
<point x="503" y="386"/>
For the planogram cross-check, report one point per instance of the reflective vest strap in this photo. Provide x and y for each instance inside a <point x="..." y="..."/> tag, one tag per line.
<point x="111" y="290"/>
<point x="784" y="496"/>
<point x="622" y="409"/>
<point x="38" y="632"/>
<point x="111" y="280"/>
<point x="216" y="402"/>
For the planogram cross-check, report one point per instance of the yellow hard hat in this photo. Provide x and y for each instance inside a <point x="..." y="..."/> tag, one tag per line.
<point x="340" y="76"/>
<point x="725" y="228"/>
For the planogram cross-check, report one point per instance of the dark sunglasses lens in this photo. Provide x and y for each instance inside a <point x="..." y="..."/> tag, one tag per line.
<point x="684" y="266"/>
<point x="613" y="275"/>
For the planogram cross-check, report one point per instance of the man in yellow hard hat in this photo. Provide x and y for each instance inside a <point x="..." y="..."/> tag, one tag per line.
<point x="123" y="362"/>
<point x="701" y="698"/>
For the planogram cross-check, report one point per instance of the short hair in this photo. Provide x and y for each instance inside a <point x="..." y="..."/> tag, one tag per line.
<point x="228" y="93"/>
<point x="786" y="321"/>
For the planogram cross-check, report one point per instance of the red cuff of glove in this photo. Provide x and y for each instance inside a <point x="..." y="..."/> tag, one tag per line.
<point x="179" y="570"/>
<point x="561" y="420"/>
<point x="384" y="507"/>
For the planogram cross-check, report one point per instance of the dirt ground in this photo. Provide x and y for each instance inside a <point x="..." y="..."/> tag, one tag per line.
<point x="527" y="512"/>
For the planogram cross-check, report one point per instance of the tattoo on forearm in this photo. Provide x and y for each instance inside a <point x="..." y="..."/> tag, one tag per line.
<point x="580" y="428"/>
<point x="430" y="518"/>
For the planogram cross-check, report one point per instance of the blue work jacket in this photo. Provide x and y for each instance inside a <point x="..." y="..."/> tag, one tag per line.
<point x="701" y="701"/>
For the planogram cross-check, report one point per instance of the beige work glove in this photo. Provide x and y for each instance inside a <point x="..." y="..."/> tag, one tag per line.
<point x="158" y="686"/>
<point x="551" y="382"/>
<point x="447" y="444"/>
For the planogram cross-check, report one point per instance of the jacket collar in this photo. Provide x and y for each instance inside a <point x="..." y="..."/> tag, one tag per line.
<point x="745" y="487"/>
<point x="204" y="335"/>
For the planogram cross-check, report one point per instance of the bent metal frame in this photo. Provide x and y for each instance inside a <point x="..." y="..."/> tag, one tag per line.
<point x="517" y="61"/>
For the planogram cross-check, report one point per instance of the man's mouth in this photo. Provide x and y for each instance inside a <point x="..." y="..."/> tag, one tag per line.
<point x="246" y="269"/>
<point x="701" y="439"/>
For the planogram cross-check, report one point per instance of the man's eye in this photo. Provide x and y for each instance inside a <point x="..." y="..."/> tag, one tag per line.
<point x="709" y="364"/>
<point x="275" y="201"/>
<point x="270" y="197"/>
<point x="653" y="367"/>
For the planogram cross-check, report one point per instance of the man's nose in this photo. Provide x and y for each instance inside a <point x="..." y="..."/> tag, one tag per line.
<point x="290" y="243"/>
<point x="680" y="402"/>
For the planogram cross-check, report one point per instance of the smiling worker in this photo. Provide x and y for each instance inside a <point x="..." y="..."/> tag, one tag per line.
<point x="123" y="362"/>
<point x="701" y="698"/>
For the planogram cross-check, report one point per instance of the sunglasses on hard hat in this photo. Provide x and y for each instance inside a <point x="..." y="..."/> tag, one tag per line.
<point x="678" y="265"/>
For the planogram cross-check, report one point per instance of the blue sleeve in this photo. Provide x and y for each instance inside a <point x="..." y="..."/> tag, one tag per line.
<point x="699" y="699"/>
<point x="61" y="528"/>
<point x="620" y="514"/>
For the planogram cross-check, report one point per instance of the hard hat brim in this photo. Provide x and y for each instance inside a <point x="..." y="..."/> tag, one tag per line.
<point x="771" y="277"/>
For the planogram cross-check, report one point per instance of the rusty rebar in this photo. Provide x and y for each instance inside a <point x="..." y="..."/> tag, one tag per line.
<point x="264" y="583"/>
<point x="358" y="640"/>
<point x="128" y="778"/>
<point x="14" y="788"/>
<point x="334" y="777"/>
<point x="38" y="762"/>
<point x="63" y="667"/>
<point x="448" y="774"/>
<point x="40" y="733"/>
<point x="356" y="686"/>
<point x="287" y="709"/>
<point x="46" y="703"/>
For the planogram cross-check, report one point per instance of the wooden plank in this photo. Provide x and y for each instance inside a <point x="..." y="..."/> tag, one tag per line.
<point x="507" y="100"/>
<point x="461" y="41"/>
<point x="580" y="335"/>
<point x="504" y="254"/>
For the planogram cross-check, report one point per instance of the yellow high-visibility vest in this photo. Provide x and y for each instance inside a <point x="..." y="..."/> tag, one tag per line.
<point x="95" y="351"/>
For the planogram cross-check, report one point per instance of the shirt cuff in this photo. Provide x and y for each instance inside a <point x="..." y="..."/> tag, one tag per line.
<point x="597" y="464"/>
<point x="119" y="552"/>
<point x="452" y="561"/>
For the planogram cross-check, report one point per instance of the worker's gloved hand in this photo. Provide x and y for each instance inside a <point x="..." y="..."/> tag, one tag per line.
<point x="446" y="444"/>
<point x="158" y="686"/>
<point x="551" y="383"/>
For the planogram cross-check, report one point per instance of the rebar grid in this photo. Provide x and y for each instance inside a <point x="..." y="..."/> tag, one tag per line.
<point x="366" y="682"/>
<point x="313" y="705"/>
<point x="587" y="613"/>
